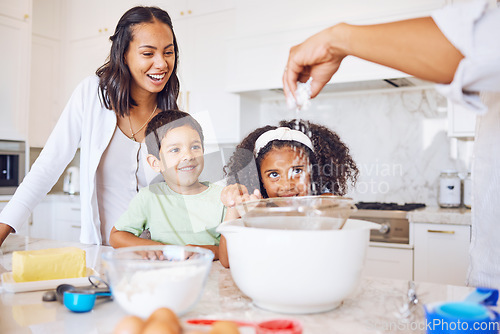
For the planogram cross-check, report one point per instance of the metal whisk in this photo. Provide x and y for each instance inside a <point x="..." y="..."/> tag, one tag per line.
<point x="408" y="307"/>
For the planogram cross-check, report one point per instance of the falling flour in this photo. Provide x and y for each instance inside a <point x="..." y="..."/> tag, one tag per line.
<point x="302" y="99"/>
<point x="146" y="290"/>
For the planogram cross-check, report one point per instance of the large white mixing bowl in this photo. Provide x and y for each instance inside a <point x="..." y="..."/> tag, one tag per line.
<point x="297" y="271"/>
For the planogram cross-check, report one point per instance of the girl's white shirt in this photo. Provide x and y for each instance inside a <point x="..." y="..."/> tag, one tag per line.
<point x="475" y="31"/>
<point x="84" y="123"/>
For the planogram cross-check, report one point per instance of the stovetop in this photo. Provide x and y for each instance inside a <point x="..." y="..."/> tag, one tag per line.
<point x="389" y="206"/>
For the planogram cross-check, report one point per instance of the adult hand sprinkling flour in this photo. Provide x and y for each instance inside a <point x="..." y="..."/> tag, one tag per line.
<point x="459" y="48"/>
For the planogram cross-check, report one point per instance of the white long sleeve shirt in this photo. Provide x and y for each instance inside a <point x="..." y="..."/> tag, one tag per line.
<point x="475" y="31"/>
<point x="85" y="122"/>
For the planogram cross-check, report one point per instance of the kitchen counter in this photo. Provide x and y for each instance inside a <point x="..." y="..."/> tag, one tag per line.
<point x="371" y="308"/>
<point x="437" y="215"/>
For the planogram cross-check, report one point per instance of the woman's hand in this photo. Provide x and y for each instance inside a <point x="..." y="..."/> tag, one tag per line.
<point x="318" y="57"/>
<point x="5" y="230"/>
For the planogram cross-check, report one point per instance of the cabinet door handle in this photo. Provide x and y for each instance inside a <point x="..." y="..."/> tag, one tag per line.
<point x="438" y="231"/>
<point x="76" y="226"/>
<point x="75" y="209"/>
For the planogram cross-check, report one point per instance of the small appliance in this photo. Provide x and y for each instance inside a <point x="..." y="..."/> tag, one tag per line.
<point x="72" y="181"/>
<point x="12" y="163"/>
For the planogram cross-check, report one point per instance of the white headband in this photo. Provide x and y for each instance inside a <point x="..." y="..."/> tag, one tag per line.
<point x="282" y="133"/>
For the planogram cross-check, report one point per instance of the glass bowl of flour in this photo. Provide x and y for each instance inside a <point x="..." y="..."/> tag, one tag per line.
<point x="145" y="278"/>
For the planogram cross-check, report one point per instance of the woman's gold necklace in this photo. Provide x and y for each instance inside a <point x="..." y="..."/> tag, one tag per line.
<point x="130" y="123"/>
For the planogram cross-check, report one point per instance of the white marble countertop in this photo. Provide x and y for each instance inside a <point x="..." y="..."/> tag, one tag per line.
<point x="437" y="215"/>
<point x="371" y="308"/>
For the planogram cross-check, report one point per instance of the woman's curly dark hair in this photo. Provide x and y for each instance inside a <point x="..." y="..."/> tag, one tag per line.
<point x="332" y="167"/>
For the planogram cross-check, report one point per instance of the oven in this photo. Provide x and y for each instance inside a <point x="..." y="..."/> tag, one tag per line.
<point x="395" y="227"/>
<point x="12" y="165"/>
<point x="390" y="254"/>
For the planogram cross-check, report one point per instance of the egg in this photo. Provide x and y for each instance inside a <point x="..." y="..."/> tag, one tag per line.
<point x="130" y="325"/>
<point x="224" y="327"/>
<point x="168" y="316"/>
<point x="158" y="327"/>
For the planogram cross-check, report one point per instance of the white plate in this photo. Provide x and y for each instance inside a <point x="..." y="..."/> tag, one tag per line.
<point x="10" y="285"/>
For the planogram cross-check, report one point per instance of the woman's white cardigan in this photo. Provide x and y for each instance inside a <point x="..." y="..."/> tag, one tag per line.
<point x="84" y="122"/>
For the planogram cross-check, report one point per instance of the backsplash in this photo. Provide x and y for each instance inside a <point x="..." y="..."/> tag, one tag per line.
<point x="398" y="139"/>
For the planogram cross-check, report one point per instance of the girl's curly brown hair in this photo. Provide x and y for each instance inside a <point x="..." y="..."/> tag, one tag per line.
<point x="332" y="167"/>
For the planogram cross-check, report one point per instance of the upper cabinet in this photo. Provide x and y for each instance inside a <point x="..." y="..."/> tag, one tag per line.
<point x="19" y="9"/>
<point x="461" y="121"/>
<point x="45" y="105"/>
<point x="179" y="9"/>
<point x="15" y="38"/>
<point x="258" y="52"/>
<point x="202" y="60"/>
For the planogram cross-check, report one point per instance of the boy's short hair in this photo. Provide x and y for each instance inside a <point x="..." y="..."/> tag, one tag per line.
<point x="165" y="121"/>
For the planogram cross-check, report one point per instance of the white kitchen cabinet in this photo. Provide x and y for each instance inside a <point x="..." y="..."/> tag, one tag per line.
<point x="389" y="262"/>
<point x="57" y="217"/>
<point x="15" y="38"/>
<point x="285" y="15"/>
<point x="258" y="53"/>
<point x="45" y="92"/>
<point x="88" y="25"/>
<point x="202" y="61"/>
<point x="89" y="54"/>
<point x="45" y="89"/>
<point x="441" y="253"/>
<point x="461" y="121"/>
<point x="19" y="9"/>
<point x="178" y="9"/>
<point x="94" y="18"/>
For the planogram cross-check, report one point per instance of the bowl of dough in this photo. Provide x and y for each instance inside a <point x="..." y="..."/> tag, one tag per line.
<point x="145" y="278"/>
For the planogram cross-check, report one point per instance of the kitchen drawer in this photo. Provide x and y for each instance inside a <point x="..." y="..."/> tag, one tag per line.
<point x="388" y="262"/>
<point x="67" y="230"/>
<point x="68" y="211"/>
<point x="57" y="217"/>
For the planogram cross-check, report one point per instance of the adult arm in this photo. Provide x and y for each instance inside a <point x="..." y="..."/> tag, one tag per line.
<point x="415" y="46"/>
<point x="48" y="167"/>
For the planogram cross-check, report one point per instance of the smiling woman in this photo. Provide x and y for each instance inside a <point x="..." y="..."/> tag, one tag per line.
<point x="106" y="117"/>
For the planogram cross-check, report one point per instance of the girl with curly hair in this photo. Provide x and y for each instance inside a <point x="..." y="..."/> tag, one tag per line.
<point x="298" y="158"/>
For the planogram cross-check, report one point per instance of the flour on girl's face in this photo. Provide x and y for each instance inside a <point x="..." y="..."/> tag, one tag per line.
<point x="286" y="172"/>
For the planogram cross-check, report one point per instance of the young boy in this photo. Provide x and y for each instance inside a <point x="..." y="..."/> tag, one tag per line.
<point x="182" y="210"/>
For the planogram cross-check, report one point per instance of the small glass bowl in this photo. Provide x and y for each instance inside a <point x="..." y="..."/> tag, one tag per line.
<point x="145" y="278"/>
<point x="297" y="213"/>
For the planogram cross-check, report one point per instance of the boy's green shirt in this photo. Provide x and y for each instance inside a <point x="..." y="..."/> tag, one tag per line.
<point x="173" y="218"/>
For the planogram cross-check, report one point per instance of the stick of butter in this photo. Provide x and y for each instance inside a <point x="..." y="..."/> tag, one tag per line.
<point x="47" y="264"/>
